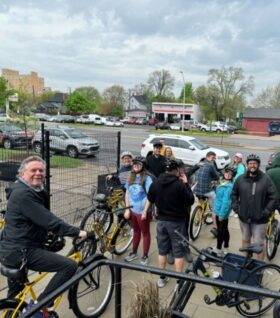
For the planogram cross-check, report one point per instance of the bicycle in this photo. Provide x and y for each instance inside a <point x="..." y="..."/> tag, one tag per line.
<point x="202" y="213"/>
<point x="235" y="268"/>
<point x="2" y="219"/>
<point x="98" y="285"/>
<point x="272" y="236"/>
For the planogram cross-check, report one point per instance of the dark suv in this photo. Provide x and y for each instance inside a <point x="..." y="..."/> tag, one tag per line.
<point x="274" y="128"/>
<point x="12" y="136"/>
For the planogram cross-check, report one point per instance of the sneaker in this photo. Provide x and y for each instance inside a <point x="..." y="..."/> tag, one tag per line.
<point x="170" y="258"/>
<point x="235" y="215"/>
<point x="188" y="255"/>
<point x="162" y="281"/>
<point x="217" y="251"/>
<point x="144" y="260"/>
<point x="130" y="257"/>
<point x="232" y="213"/>
<point x="225" y="250"/>
<point x="214" y="231"/>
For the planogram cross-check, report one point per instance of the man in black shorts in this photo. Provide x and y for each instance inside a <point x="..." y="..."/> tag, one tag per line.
<point x="172" y="196"/>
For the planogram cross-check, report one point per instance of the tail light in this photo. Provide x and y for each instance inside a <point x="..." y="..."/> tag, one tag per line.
<point x="143" y="145"/>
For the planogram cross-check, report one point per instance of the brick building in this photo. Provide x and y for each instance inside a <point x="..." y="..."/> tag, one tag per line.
<point x="31" y="83"/>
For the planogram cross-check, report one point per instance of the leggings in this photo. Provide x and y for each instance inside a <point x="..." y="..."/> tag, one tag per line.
<point x="223" y="233"/>
<point x="141" y="227"/>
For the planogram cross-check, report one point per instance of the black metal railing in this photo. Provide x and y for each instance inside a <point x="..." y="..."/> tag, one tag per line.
<point x="119" y="265"/>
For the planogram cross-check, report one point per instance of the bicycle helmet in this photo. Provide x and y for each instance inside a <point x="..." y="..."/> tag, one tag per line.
<point x="126" y="154"/>
<point x="54" y="242"/>
<point x="173" y="164"/>
<point x="253" y="157"/>
<point x="140" y="160"/>
<point x="232" y="170"/>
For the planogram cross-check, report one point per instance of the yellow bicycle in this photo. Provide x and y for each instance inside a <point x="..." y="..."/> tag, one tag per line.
<point x="88" y="298"/>
<point x="202" y="213"/>
<point x="272" y="236"/>
<point x="2" y="219"/>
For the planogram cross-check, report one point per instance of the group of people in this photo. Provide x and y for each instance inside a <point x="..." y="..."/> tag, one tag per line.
<point x="158" y="182"/>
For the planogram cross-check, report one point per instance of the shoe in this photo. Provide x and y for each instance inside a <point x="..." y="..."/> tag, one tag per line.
<point x="144" y="260"/>
<point x="162" y="281"/>
<point x="232" y="213"/>
<point x="214" y="231"/>
<point x="130" y="257"/>
<point x="188" y="255"/>
<point x="236" y="215"/>
<point x="38" y="314"/>
<point x="217" y="251"/>
<point x="170" y="258"/>
<point x="225" y="250"/>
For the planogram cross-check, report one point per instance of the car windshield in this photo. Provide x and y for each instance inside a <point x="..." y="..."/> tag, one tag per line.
<point x="198" y="144"/>
<point x="74" y="133"/>
<point x="12" y="128"/>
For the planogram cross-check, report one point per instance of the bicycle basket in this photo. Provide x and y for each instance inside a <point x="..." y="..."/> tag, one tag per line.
<point x="232" y="274"/>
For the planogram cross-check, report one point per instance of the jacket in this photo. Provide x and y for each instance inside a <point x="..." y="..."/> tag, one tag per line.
<point x="156" y="165"/>
<point x="274" y="174"/>
<point x="204" y="177"/>
<point x="27" y="220"/>
<point x="254" y="198"/>
<point x="171" y="196"/>
<point x="240" y="169"/>
<point x="222" y="203"/>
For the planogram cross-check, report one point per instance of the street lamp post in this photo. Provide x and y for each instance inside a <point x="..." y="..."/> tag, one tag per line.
<point x="184" y="100"/>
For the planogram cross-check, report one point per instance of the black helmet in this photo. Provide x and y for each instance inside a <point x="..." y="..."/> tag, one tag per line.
<point x="54" y="243"/>
<point x="140" y="160"/>
<point x="232" y="170"/>
<point x="253" y="157"/>
<point x="172" y="164"/>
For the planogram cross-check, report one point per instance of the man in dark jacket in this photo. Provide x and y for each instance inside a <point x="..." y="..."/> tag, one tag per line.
<point x="155" y="163"/>
<point x="172" y="196"/>
<point x="27" y="223"/>
<point x="274" y="174"/>
<point x="253" y="198"/>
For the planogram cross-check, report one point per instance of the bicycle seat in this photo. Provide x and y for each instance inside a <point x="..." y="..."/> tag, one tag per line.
<point x="252" y="249"/>
<point x="100" y="197"/>
<point x="18" y="274"/>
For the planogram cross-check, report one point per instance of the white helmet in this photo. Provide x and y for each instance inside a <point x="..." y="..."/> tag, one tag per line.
<point x="126" y="153"/>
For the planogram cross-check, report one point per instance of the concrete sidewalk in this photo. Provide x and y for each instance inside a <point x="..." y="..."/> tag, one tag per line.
<point x="196" y="308"/>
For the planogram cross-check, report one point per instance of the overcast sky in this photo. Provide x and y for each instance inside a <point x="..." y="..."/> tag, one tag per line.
<point x="100" y="42"/>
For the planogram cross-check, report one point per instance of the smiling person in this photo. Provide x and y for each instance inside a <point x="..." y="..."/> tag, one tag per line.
<point x="27" y="223"/>
<point x="253" y="198"/>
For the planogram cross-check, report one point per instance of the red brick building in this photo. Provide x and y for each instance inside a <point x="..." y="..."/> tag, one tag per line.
<point x="256" y="120"/>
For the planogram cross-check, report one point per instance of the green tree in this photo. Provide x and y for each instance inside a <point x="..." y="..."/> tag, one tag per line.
<point x="228" y="88"/>
<point x="4" y="92"/>
<point x="269" y="97"/>
<point x="91" y="94"/>
<point x="113" y="100"/>
<point x="78" y="103"/>
<point x="189" y="94"/>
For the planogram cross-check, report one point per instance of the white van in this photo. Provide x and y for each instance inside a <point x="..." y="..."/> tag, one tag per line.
<point x="90" y="119"/>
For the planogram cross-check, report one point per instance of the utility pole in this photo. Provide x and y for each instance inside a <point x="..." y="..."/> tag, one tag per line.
<point x="184" y="100"/>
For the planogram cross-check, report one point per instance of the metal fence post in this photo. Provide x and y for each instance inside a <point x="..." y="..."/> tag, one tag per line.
<point x="119" y="151"/>
<point x="118" y="292"/>
<point x="43" y="141"/>
<point x="48" y="175"/>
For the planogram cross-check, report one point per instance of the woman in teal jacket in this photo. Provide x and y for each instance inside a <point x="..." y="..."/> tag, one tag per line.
<point x="222" y="208"/>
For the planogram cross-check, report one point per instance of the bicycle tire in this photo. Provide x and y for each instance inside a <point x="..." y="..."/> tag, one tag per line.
<point x="208" y="218"/>
<point x="7" y="307"/>
<point x="195" y="223"/>
<point x="91" y="300"/>
<point x="106" y="219"/>
<point x="276" y="309"/>
<point x="272" y="241"/>
<point x="124" y="239"/>
<point x="266" y="276"/>
<point x="181" y="296"/>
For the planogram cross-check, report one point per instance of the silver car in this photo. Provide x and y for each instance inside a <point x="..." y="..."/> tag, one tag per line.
<point x="67" y="140"/>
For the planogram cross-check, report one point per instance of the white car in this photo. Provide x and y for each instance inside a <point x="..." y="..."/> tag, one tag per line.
<point x="214" y="128"/>
<point x="114" y="123"/>
<point x="178" y="126"/>
<point x="186" y="148"/>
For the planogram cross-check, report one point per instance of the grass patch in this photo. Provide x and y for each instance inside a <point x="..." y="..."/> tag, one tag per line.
<point x="56" y="161"/>
<point x="193" y="132"/>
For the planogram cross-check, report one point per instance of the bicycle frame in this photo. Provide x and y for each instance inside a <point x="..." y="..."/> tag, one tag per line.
<point x="269" y="226"/>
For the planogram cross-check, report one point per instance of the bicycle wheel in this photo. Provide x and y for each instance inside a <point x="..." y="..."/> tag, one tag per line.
<point x="7" y="308"/>
<point x="181" y="295"/>
<point x="91" y="295"/>
<point x="124" y="239"/>
<point x="265" y="276"/>
<point x="272" y="240"/>
<point x="87" y="248"/>
<point x="196" y="222"/>
<point x="105" y="219"/>
<point x="276" y="309"/>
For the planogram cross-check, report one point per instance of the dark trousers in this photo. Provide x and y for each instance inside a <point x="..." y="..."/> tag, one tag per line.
<point x="223" y="233"/>
<point x="40" y="260"/>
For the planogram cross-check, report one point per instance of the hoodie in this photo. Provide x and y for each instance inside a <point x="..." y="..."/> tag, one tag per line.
<point x="274" y="174"/>
<point x="171" y="196"/>
<point x="27" y="220"/>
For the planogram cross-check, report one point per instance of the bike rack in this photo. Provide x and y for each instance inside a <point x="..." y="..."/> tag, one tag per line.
<point x="119" y="265"/>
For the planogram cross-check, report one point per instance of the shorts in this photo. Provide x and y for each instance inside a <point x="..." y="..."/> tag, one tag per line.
<point x="254" y="233"/>
<point x="167" y="239"/>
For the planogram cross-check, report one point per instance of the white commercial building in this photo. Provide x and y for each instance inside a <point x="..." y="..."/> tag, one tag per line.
<point x="171" y="111"/>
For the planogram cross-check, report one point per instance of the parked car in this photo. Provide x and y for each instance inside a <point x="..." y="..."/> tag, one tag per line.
<point x="162" y="125"/>
<point x="273" y="128"/>
<point x="186" y="148"/>
<point x="42" y="116"/>
<point x="4" y="117"/>
<point x="214" y="128"/>
<point x="232" y="129"/>
<point x="141" y="121"/>
<point x="13" y="136"/>
<point x="178" y="126"/>
<point x="67" y="140"/>
<point x="152" y="121"/>
<point x="125" y="120"/>
<point x="114" y="123"/>
<point x="132" y="121"/>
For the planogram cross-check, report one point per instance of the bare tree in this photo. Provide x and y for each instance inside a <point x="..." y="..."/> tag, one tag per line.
<point x="269" y="97"/>
<point x="161" y="83"/>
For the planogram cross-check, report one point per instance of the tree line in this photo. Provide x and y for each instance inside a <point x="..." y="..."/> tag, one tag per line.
<point x="222" y="96"/>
